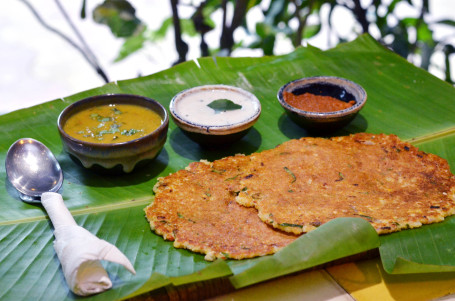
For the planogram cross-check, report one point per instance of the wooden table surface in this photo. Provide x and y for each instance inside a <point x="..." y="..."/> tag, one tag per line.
<point x="361" y="280"/>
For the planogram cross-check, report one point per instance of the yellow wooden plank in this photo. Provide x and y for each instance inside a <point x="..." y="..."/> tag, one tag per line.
<point x="311" y="285"/>
<point x="367" y="280"/>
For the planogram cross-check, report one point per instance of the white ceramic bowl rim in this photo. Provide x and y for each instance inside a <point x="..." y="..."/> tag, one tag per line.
<point x="238" y="90"/>
<point x="350" y="86"/>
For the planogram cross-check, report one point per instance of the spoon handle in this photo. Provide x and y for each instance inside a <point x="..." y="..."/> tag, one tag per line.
<point x="56" y="209"/>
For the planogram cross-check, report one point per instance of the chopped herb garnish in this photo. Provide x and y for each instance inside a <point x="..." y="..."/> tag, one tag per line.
<point x="110" y="131"/>
<point x="291" y="173"/>
<point x="234" y="193"/>
<point x="341" y="177"/>
<point x="100" y="118"/>
<point x="130" y="132"/>
<point x="188" y="219"/>
<point x="291" y="225"/>
<point x="232" y="178"/>
<point x="116" y="111"/>
<point x="222" y="105"/>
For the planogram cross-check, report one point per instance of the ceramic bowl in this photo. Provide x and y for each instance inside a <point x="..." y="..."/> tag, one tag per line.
<point x="215" y="115"/>
<point x="113" y="156"/>
<point x="336" y="87"/>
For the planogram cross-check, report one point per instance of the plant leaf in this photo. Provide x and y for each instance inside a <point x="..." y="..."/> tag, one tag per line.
<point x="402" y="99"/>
<point x="222" y="105"/>
<point x="324" y="244"/>
<point x="120" y="16"/>
<point x="132" y="44"/>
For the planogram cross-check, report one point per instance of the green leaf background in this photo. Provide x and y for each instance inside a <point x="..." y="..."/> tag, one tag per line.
<point x="402" y="99"/>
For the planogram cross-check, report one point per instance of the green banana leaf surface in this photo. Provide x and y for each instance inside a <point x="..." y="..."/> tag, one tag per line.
<point x="402" y="100"/>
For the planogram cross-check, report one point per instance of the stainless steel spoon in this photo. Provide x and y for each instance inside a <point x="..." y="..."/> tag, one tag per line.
<point x="32" y="169"/>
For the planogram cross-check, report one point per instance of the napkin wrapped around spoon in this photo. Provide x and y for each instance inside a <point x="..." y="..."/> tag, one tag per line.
<point x="79" y="251"/>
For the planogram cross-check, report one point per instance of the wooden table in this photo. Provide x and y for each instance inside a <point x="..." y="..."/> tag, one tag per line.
<point x="363" y="279"/>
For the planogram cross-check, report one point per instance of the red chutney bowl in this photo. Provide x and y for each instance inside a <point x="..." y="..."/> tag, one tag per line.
<point x="322" y="87"/>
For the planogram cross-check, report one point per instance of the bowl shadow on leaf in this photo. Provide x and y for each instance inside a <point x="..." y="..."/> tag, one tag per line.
<point x="189" y="149"/>
<point x="147" y="170"/>
<point x="293" y="131"/>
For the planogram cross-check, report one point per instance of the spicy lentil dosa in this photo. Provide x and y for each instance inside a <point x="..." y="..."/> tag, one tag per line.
<point x="304" y="183"/>
<point x="296" y="187"/>
<point x="195" y="208"/>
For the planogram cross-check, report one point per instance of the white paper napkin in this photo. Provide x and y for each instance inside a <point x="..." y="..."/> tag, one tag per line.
<point x="79" y="251"/>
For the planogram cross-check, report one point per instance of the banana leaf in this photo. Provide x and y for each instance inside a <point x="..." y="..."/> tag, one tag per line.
<point x="402" y="99"/>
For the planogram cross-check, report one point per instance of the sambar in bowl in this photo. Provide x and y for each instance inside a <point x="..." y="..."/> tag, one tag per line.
<point x="113" y="130"/>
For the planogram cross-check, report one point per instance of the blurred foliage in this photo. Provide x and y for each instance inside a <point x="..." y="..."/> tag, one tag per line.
<point x="120" y="16"/>
<point x="294" y="21"/>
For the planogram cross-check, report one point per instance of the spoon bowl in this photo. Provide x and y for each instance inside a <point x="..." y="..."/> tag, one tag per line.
<point x="32" y="169"/>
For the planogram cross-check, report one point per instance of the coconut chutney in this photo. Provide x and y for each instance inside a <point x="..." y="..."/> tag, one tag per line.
<point x="215" y="106"/>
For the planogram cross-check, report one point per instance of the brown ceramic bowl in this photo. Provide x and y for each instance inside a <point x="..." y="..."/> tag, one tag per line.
<point x="336" y="87"/>
<point x="191" y="112"/>
<point x="127" y="154"/>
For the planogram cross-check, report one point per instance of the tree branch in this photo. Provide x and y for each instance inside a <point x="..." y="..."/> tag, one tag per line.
<point x="413" y="46"/>
<point x="67" y="39"/>
<point x="227" y="34"/>
<point x="361" y="15"/>
<point x="201" y="27"/>
<point x="302" y="21"/>
<point x="87" y="49"/>
<point x="181" y="46"/>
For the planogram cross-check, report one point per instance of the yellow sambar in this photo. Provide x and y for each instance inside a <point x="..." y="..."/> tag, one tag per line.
<point x="112" y="123"/>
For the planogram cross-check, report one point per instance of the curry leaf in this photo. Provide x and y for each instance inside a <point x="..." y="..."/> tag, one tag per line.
<point x="222" y="105"/>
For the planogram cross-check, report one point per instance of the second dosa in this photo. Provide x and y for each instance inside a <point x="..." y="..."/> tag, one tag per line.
<point x="304" y="183"/>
